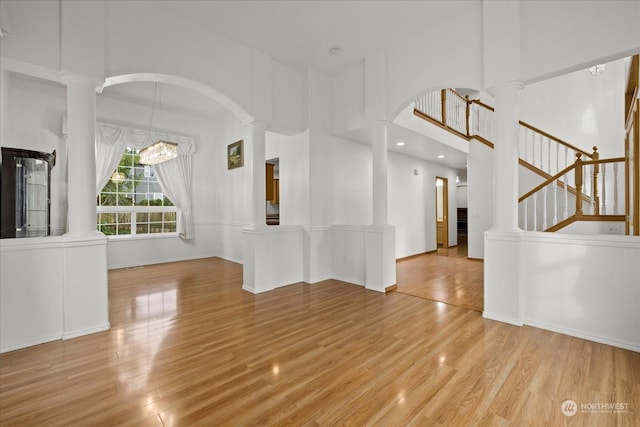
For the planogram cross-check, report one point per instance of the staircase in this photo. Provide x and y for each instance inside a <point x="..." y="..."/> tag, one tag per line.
<point x="576" y="185"/>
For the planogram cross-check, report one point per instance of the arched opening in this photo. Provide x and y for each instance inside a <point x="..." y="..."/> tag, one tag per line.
<point x="219" y="198"/>
<point x="192" y="85"/>
<point x="441" y="153"/>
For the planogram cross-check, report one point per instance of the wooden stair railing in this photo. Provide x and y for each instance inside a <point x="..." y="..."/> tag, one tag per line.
<point x="540" y="152"/>
<point x="603" y="205"/>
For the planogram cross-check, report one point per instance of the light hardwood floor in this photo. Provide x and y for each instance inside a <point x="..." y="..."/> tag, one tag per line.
<point x="446" y="275"/>
<point x="188" y="347"/>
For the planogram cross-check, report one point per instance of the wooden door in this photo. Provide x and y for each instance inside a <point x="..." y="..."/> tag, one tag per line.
<point x="442" y="211"/>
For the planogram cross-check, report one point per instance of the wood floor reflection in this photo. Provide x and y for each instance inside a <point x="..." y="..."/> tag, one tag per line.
<point x="446" y="275"/>
<point x="189" y="347"/>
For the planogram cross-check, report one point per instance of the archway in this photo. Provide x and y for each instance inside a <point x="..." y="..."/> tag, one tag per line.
<point x="454" y="280"/>
<point x="198" y="87"/>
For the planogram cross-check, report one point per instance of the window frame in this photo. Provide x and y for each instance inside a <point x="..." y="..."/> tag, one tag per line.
<point x="133" y="210"/>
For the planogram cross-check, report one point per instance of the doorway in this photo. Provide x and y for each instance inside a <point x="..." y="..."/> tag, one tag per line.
<point x="442" y="212"/>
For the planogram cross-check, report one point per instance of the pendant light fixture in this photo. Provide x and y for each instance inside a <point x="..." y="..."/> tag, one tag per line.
<point x="118" y="177"/>
<point x="160" y="151"/>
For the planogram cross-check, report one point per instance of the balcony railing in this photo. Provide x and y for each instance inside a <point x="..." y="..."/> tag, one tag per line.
<point x="578" y="185"/>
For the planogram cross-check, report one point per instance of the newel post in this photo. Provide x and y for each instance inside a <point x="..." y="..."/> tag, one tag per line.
<point x="578" y="173"/>
<point x="596" y="173"/>
<point x="468" y="114"/>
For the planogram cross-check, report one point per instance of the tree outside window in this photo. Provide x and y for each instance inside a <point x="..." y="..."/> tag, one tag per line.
<point x="132" y="202"/>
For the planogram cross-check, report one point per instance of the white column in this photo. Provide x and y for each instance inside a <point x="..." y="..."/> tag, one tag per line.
<point x="81" y="121"/>
<point x="505" y="166"/>
<point x="255" y="160"/>
<point x="380" y="202"/>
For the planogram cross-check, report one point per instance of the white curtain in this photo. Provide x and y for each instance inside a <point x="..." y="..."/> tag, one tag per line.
<point x="110" y="145"/>
<point x="174" y="176"/>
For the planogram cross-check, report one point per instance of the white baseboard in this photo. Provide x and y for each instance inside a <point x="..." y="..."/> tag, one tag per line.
<point x="502" y="318"/>
<point x="348" y="280"/>
<point x="595" y="338"/>
<point x="86" y="331"/>
<point x="31" y="342"/>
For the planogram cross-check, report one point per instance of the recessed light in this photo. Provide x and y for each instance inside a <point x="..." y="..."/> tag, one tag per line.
<point x="441" y="156"/>
<point x="400" y="144"/>
<point x="335" y="51"/>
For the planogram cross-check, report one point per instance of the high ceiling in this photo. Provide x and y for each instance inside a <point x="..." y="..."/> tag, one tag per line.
<point x="301" y="33"/>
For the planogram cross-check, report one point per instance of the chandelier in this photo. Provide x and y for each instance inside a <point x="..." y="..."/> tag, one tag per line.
<point x="158" y="152"/>
<point x="118" y="177"/>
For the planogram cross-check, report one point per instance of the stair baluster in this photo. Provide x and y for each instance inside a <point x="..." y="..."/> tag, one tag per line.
<point x="555" y="201"/>
<point x="566" y="184"/>
<point x="604" y="189"/>
<point x="544" y="208"/>
<point x="535" y="212"/>
<point x="616" y="208"/>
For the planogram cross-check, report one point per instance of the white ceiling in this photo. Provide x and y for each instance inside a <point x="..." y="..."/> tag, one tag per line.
<point x="415" y="145"/>
<point x="300" y="33"/>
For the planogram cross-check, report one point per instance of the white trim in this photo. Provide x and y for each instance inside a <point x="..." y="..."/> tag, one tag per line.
<point x="227" y="259"/>
<point x="28" y="69"/>
<point x="86" y="331"/>
<point x="347" y="280"/>
<point x="609" y="240"/>
<point x="316" y="228"/>
<point x="32" y="342"/>
<point x="345" y="227"/>
<point x="253" y="291"/>
<point x="501" y="318"/>
<point x="30" y="243"/>
<point x="74" y="241"/>
<point x="596" y="338"/>
<point x="272" y="229"/>
<point x="125" y="237"/>
<point x="132" y="209"/>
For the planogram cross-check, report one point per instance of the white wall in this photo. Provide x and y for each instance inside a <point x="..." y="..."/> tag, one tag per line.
<point x="584" y="286"/>
<point x="347" y="90"/>
<point x="581" y="109"/>
<point x="293" y="152"/>
<point x="34" y="122"/>
<point x="419" y="64"/>
<point x="288" y="99"/>
<point x="567" y="35"/>
<point x="461" y="195"/>
<point x="480" y="192"/>
<point x="228" y="188"/>
<point x="350" y="182"/>
<point x="54" y="300"/>
<point x="31" y="298"/>
<point x="412" y="203"/>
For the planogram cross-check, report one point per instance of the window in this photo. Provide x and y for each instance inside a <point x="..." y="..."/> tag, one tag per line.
<point x="132" y="201"/>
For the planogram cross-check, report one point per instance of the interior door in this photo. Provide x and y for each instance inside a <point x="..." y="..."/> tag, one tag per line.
<point x="442" y="211"/>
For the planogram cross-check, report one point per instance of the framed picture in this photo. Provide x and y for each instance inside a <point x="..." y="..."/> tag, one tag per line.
<point x="235" y="155"/>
